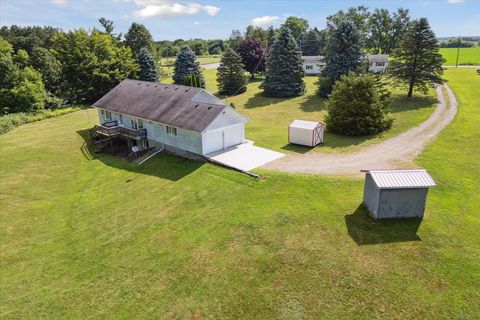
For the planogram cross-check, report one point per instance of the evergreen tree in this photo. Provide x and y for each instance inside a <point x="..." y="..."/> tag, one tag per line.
<point x="311" y="43"/>
<point x="284" y="73"/>
<point x="417" y="62"/>
<point x="231" y="77"/>
<point x="148" y="68"/>
<point x="342" y="54"/>
<point x="358" y="106"/>
<point x="138" y="37"/>
<point x="186" y="65"/>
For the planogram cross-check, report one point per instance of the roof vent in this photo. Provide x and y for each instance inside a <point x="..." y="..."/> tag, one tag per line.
<point x="210" y="107"/>
<point x="196" y="106"/>
<point x="148" y="84"/>
<point x="166" y="87"/>
<point x="175" y="88"/>
<point x="138" y="84"/>
<point x="186" y="90"/>
<point x="156" y="85"/>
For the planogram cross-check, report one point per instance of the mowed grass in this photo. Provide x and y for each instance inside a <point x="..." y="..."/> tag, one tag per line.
<point x="272" y="116"/>
<point x="467" y="56"/>
<point x="89" y="236"/>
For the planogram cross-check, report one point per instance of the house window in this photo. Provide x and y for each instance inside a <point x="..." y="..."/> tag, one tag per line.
<point x="380" y="64"/>
<point x="140" y="124"/>
<point x="108" y="115"/>
<point x="145" y="143"/>
<point x="172" y="130"/>
<point x="308" y="67"/>
<point x="120" y="118"/>
<point x="136" y="124"/>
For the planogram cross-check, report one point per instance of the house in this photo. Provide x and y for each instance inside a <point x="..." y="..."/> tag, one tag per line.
<point x="396" y="193"/>
<point x="184" y="120"/>
<point x="306" y="133"/>
<point x="377" y="62"/>
<point x="313" y="65"/>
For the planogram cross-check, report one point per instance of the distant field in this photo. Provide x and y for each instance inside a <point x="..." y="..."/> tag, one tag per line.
<point x="467" y="56"/>
<point x="169" y="61"/>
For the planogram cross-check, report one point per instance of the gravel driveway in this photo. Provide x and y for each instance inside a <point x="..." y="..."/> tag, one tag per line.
<point x="397" y="152"/>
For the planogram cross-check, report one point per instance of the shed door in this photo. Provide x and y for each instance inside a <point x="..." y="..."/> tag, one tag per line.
<point x="233" y="135"/>
<point x="213" y="141"/>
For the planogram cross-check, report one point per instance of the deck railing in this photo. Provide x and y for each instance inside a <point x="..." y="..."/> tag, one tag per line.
<point x="109" y="130"/>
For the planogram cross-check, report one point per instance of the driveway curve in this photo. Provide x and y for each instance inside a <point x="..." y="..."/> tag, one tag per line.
<point x="396" y="152"/>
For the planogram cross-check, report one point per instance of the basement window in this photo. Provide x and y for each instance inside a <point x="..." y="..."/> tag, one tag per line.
<point x="171" y="130"/>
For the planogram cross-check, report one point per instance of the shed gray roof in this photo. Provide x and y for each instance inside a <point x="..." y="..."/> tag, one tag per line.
<point x="401" y="179"/>
<point x="173" y="105"/>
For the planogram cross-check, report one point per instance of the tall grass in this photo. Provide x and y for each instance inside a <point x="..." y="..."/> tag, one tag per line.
<point x="10" y="121"/>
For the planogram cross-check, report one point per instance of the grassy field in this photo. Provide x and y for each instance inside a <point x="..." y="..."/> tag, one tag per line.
<point x="271" y="116"/>
<point x="467" y="56"/>
<point x="86" y="235"/>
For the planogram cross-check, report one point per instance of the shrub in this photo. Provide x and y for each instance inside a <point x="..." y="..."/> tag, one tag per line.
<point x="325" y="86"/>
<point x="357" y="106"/>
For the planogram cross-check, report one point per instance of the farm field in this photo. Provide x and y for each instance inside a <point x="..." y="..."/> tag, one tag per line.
<point x="271" y="116"/>
<point x="467" y="56"/>
<point x="84" y="233"/>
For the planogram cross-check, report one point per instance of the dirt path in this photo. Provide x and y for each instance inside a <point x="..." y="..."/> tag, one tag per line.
<point x="397" y="152"/>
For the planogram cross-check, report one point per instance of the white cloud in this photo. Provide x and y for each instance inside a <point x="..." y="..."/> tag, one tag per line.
<point x="455" y="1"/>
<point x="168" y="8"/>
<point x="59" y="2"/>
<point x="262" y="21"/>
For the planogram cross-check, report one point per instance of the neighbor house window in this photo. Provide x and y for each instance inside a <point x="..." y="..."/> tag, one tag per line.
<point x="172" y="130"/>
<point x="380" y="64"/>
<point x="309" y="67"/>
<point x="108" y="115"/>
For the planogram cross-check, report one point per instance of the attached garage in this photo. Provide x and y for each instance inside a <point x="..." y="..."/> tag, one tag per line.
<point x="223" y="138"/>
<point x="306" y="133"/>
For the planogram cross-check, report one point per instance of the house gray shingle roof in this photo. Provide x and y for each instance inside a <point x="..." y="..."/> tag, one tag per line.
<point x="173" y="105"/>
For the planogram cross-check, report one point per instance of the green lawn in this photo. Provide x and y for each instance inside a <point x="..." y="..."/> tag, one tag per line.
<point x="467" y="56"/>
<point x="89" y="236"/>
<point x="271" y="116"/>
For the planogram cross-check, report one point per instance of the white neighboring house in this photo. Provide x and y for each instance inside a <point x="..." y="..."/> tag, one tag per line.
<point x="377" y="62"/>
<point x="185" y="120"/>
<point x="313" y="65"/>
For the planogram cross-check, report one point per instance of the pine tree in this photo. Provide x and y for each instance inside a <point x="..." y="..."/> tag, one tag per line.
<point x="148" y="68"/>
<point x="417" y="62"/>
<point x="231" y="77"/>
<point x="358" y="106"/>
<point x="186" y="65"/>
<point x="342" y="55"/>
<point x="284" y="73"/>
<point x="311" y="43"/>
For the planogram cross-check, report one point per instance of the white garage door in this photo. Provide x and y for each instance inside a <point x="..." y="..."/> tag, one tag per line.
<point x="233" y="135"/>
<point x="223" y="138"/>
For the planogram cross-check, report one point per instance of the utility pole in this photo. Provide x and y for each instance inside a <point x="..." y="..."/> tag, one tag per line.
<point x="458" y="51"/>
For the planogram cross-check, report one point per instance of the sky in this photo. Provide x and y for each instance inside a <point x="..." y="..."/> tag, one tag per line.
<point x="215" y="19"/>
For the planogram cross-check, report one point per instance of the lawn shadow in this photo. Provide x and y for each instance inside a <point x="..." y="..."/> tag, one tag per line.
<point x="363" y="229"/>
<point x="260" y="100"/>
<point x="163" y="165"/>
<point x="402" y="103"/>
<point x="296" y="148"/>
<point x="313" y="103"/>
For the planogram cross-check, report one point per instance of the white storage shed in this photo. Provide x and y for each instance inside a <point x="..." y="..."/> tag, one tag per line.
<point x="306" y="133"/>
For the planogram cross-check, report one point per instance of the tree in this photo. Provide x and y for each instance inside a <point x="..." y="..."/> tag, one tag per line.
<point x="417" y="63"/>
<point x="355" y="107"/>
<point x="359" y="16"/>
<point x="386" y="30"/>
<point x="138" y="37"/>
<point x="92" y="63"/>
<point x="148" y="68"/>
<point x="28" y="38"/>
<point x="311" y="44"/>
<point x="107" y="25"/>
<point x="296" y="25"/>
<point x="235" y="39"/>
<point x="253" y="55"/>
<point x="342" y="54"/>
<point x="284" y="74"/>
<point x="45" y="62"/>
<point x="257" y="33"/>
<point x="231" y="77"/>
<point x="21" y="58"/>
<point x="186" y="65"/>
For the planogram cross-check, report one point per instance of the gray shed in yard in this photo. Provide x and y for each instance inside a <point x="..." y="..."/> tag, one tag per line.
<point x="396" y="193"/>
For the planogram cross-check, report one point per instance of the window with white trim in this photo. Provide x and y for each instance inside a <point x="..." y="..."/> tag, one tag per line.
<point x="108" y="115"/>
<point x="171" y="130"/>
<point x="120" y="118"/>
<point x="309" y="67"/>
<point x="145" y="143"/>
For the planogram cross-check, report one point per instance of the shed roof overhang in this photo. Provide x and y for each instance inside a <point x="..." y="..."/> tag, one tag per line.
<point x="401" y="179"/>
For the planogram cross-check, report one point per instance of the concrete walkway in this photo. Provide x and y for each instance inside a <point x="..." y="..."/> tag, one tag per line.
<point x="397" y="152"/>
<point x="244" y="157"/>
